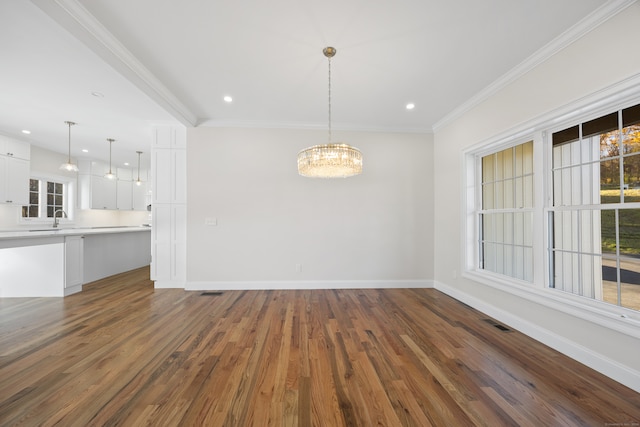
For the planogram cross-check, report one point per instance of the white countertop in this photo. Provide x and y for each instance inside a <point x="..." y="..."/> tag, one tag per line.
<point x="68" y="231"/>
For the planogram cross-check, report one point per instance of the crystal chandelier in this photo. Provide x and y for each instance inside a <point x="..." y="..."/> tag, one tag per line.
<point x="70" y="167"/>
<point x="331" y="160"/>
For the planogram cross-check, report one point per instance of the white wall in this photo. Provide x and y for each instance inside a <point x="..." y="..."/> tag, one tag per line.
<point x="599" y="59"/>
<point x="374" y="227"/>
<point x="48" y="162"/>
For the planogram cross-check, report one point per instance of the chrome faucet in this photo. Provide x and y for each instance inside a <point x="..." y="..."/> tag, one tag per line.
<point x="55" y="218"/>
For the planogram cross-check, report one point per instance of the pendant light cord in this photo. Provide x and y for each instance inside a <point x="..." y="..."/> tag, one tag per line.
<point x="69" y="123"/>
<point x="110" y="143"/>
<point x="69" y="159"/>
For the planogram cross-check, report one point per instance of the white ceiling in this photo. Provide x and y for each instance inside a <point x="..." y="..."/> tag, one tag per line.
<point x="173" y="61"/>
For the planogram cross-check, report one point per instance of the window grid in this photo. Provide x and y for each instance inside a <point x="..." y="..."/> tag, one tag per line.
<point x="594" y="236"/>
<point x="32" y="210"/>
<point x="505" y="219"/>
<point x="54" y="197"/>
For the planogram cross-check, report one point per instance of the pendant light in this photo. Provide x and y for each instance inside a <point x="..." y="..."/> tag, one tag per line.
<point x="110" y="175"/>
<point x="331" y="160"/>
<point x="138" y="182"/>
<point x="70" y="167"/>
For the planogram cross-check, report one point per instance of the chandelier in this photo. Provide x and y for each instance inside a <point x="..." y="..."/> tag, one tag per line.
<point x="331" y="160"/>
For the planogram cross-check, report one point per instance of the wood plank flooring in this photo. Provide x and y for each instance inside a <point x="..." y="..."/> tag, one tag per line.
<point x="122" y="353"/>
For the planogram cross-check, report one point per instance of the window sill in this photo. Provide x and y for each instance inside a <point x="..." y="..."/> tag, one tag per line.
<point x="619" y="319"/>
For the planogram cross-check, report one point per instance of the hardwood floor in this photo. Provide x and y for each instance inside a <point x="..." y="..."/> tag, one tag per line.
<point x="122" y="353"/>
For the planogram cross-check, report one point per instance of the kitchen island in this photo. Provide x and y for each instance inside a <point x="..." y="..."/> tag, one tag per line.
<point x="55" y="262"/>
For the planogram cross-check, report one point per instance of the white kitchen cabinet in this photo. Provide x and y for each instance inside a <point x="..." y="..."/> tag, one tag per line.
<point x="73" y="263"/>
<point x="14" y="184"/>
<point x="16" y="149"/>
<point x="169" y="137"/>
<point x="169" y="238"/>
<point x="106" y="254"/>
<point x="32" y="269"/>
<point x="124" y="174"/>
<point x="124" y="195"/>
<point x="169" y="197"/>
<point x="58" y="263"/>
<point x="98" y="168"/>
<point x="124" y="190"/>
<point x="169" y="181"/>
<point x="141" y="196"/>
<point x="14" y="171"/>
<point x="96" y="192"/>
<point x="107" y="191"/>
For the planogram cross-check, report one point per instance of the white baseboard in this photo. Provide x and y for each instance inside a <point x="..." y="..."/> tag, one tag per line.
<point x="72" y="290"/>
<point x="614" y="370"/>
<point x="306" y="284"/>
<point x="168" y="284"/>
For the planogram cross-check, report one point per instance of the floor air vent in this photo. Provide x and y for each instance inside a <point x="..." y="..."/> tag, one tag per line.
<point x="497" y="325"/>
<point x="211" y="293"/>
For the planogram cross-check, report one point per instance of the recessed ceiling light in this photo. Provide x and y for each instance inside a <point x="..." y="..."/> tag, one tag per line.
<point x="97" y="94"/>
<point x="411" y="106"/>
<point x="84" y="150"/>
<point x="126" y="163"/>
<point x="26" y="132"/>
<point x="227" y="98"/>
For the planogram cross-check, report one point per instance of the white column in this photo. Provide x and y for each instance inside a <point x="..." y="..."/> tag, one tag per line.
<point x="169" y="207"/>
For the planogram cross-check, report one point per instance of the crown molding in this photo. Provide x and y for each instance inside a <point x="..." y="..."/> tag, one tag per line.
<point x="346" y="127"/>
<point x="76" y="19"/>
<point x="586" y="25"/>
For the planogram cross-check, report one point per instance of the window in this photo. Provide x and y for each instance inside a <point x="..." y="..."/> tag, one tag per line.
<point x="54" y="197"/>
<point x="552" y="209"/>
<point x="33" y="209"/>
<point x="594" y="248"/>
<point x="46" y="196"/>
<point x="505" y="221"/>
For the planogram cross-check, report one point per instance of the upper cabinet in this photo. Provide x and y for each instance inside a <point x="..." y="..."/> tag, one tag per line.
<point x="169" y="137"/>
<point x="169" y="181"/>
<point x="14" y="171"/>
<point x="169" y="161"/>
<point x="14" y="149"/>
<point x="97" y="192"/>
<point x="141" y="191"/>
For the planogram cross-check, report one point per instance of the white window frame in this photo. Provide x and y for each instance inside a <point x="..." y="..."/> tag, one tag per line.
<point x="473" y="175"/>
<point x="549" y="208"/>
<point x="69" y="195"/>
<point x="477" y="200"/>
<point x="612" y="98"/>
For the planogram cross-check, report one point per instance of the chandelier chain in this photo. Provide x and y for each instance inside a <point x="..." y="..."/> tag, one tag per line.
<point x="329" y="100"/>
